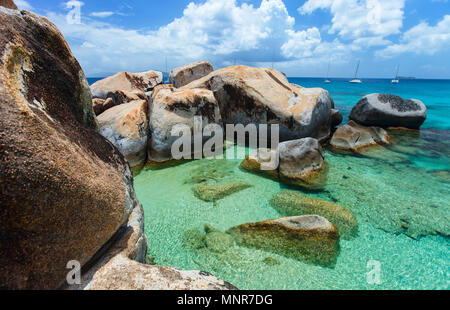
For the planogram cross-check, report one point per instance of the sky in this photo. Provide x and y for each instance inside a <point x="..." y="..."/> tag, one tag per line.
<point x="298" y="37"/>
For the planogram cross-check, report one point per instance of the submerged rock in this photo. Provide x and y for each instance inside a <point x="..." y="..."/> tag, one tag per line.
<point x="249" y="95"/>
<point x="211" y="170"/>
<point x="354" y="137"/>
<point x="172" y="107"/>
<point x="184" y="75"/>
<point x="210" y="191"/>
<point x="389" y="111"/>
<point x="309" y="238"/>
<point x="302" y="163"/>
<point x="65" y="190"/>
<point x="126" y="83"/>
<point x="255" y="161"/>
<point x="126" y="126"/>
<point x="218" y="241"/>
<point x="290" y="203"/>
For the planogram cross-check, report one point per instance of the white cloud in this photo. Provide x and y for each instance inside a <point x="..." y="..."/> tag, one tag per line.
<point x="102" y="14"/>
<point x="422" y="39"/>
<point x="216" y="30"/>
<point x="23" y="5"/>
<point x="355" y="19"/>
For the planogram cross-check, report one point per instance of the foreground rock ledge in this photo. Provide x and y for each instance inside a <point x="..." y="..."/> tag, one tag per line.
<point x="309" y="238"/>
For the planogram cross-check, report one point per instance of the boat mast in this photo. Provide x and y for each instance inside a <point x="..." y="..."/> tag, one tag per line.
<point x="357" y="69"/>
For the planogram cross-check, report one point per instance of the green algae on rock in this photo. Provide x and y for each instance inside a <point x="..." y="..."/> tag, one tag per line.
<point x="211" y="192"/>
<point x="309" y="238"/>
<point x="290" y="203"/>
<point x="218" y="241"/>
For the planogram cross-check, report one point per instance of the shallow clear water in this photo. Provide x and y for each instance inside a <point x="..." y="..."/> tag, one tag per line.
<point x="400" y="196"/>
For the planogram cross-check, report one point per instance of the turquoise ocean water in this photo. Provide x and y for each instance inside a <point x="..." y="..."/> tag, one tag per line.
<point x="400" y="195"/>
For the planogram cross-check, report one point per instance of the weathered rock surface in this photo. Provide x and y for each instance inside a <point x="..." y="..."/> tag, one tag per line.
<point x="126" y="126"/>
<point x="354" y="137"/>
<point x="383" y="110"/>
<point x="101" y="105"/>
<point x="302" y="163"/>
<point x="290" y="203"/>
<point x="65" y="190"/>
<point x="310" y="238"/>
<point x="184" y="75"/>
<point x="128" y="83"/>
<point x="8" y="4"/>
<point x="171" y="107"/>
<point x="263" y="162"/>
<point x="264" y="96"/>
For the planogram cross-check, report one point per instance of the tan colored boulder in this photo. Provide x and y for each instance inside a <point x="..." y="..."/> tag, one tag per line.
<point x="127" y="83"/>
<point x="354" y="137"/>
<point x="170" y="107"/>
<point x="302" y="163"/>
<point x="8" y="4"/>
<point x="309" y="238"/>
<point x="249" y="95"/>
<point x="65" y="190"/>
<point x="184" y="75"/>
<point x="126" y="126"/>
<point x="290" y="203"/>
<point x="101" y="105"/>
<point x="262" y="162"/>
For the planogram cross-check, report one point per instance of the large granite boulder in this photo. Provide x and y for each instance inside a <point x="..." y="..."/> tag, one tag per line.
<point x="65" y="190"/>
<point x="309" y="238"/>
<point x="126" y="126"/>
<point x="290" y="203"/>
<point x="302" y="163"/>
<point x="184" y="75"/>
<point x="8" y="4"/>
<point x="249" y="95"/>
<point x="354" y="137"/>
<point x="171" y="107"/>
<point x="383" y="110"/>
<point x="126" y="82"/>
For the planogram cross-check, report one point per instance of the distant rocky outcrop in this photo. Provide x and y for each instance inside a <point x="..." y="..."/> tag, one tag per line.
<point x="249" y="95"/>
<point x="309" y="238"/>
<point x="170" y="107"/>
<point x="126" y="126"/>
<point x="354" y="137"/>
<point x="302" y="163"/>
<point x="384" y="110"/>
<point x="184" y="75"/>
<point x="8" y="4"/>
<point x="65" y="190"/>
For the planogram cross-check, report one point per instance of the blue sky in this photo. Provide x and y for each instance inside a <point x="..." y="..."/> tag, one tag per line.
<point x="298" y="37"/>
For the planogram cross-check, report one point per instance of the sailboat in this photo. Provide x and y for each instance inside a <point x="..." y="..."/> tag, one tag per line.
<point x="396" y="80"/>
<point x="328" y="74"/>
<point x="356" y="80"/>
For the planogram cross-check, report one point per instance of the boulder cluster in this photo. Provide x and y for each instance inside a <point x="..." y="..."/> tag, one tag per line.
<point x="67" y="190"/>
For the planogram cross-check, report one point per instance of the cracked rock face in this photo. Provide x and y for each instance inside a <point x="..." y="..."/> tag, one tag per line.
<point x="385" y="110"/>
<point x="184" y="75"/>
<point x="249" y="95"/>
<point x="65" y="190"/>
